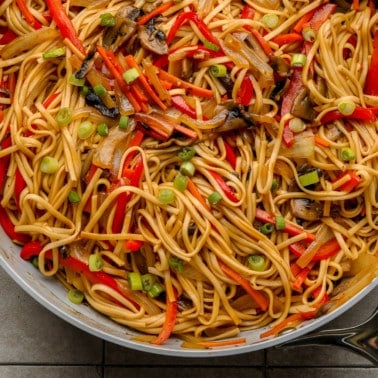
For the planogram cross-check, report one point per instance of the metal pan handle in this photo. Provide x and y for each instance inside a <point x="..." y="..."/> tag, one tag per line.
<point x="362" y="338"/>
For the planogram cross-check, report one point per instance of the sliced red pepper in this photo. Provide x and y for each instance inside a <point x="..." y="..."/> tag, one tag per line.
<point x="284" y="39"/>
<point x="351" y="184"/>
<point x="59" y="15"/>
<point x="180" y="104"/>
<point x="327" y="250"/>
<point x="321" y="15"/>
<point x="19" y="186"/>
<point x="182" y="18"/>
<point x="288" y="136"/>
<point x="223" y="185"/>
<point x="30" y="19"/>
<point x="245" y="92"/>
<point x="133" y="245"/>
<point x="31" y="249"/>
<point x="135" y="141"/>
<point x="170" y="321"/>
<point x="8" y="36"/>
<point x="50" y="99"/>
<point x="231" y="156"/>
<point x="247" y="13"/>
<point x="371" y="84"/>
<point x="8" y="228"/>
<point x="295" y="86"/>
<point x="304" y="20"/>
<point x="290" y="228"/>
<point x="256" y="295"/>
<point x="360" y="113"/>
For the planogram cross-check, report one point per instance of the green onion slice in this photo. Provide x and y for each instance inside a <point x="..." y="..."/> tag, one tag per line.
<point x="107" y="20"/>
<point x="60" y="51"/>
<point x="347" y="154"/>
<point x="210" y="45"/>
<point x="270" y="20"/>
<point x="186" y="153"/>
<point x="308" y="34"/>
<point x="346" y="108"/>
<point x="187" y="168"/>
<point x="176" y="264"/>
<point x="280" y="222"/>
<point x="214" y="198"/>
<point x="75" y="296"/>
<point x="257" y="262"/>
<point x="135" y="280"/>
<point x="156" y="289"/>
<point x="218" y="70"/>
<point x="148" y="280"/>
<point x="267" y="228"/>
<point x="76" y="82"/>
<point x="180" y="182"/>
<point x="123" y="122"/>
<point x="309" y="178"/>
<point x="49" y="165"/>
<point x="85" y="129"/>
<point x="166" y="196"/>
<point x="95" y="262"/>
<point x="103" y="129"/>
<point x="298" y="60"/>
<point x="130" y="75"/>
<point x="73" y="197"/>
<point x="64" y="116"/>
<point x="297" y="125"/>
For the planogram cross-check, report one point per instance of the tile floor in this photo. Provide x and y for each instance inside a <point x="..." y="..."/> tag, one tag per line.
<point x="36" y="343"/>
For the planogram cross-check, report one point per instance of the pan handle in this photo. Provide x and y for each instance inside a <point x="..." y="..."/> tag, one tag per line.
<point x="362" y="338"/>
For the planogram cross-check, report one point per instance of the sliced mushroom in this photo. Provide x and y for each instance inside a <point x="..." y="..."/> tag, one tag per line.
<point x="153" y="39"/>
<point x="280" y="66"/>
<point x="306" y="209"/>
<point x="303" y="107"/>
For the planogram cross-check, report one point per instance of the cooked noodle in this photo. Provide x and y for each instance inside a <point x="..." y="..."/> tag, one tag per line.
<point x="244" y="114"/>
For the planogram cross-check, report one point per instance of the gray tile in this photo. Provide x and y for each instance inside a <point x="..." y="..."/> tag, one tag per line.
<point x="117" y="355"/>
<point x="50" y="372"/>
<point x="322" y="372"/>
<point x="183" y="372"/>
<point x="31" y="334"/>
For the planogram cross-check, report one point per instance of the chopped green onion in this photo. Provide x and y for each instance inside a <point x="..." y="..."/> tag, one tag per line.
<point x="60" y="51"/>
<point x="309" y="178"/>
<point x="85" y="129"/>
<point x="180" y="182"/>
<point x="187" y="153"/>
<point x="35" y="262"/>
<point x="103" y="129"/>
<point x="135" y="280"/>
<point x="107" y="20"/>
<point x="346" y="108"/>
<point x="73" y="197"/>
<point x="148" y="280"/>
<point x="64" y="116"/>
<point x="270" y="20"/>
<point x="257" y="262"/>
<point x="156" y="289"/>
<point x="347" y="154"/>
<point x="298" y="60"/>
<point x="123" y="122"/>
<point x="187" y="168"/>
<point x="267" y="228"/>
<point x="210" y="45"/>
<point x="95" y="262"/>
<point x="76" y="82"/>
<point x="274" y="185"/>
<point x="84" y="90"/>
<point x="280" y="222"/>
<point x="75" y="296"/>
<point x="130" y="75"/>
<point x="297" y="125"/>
<point x="176" y="264"/>
<point x="308" y="34"/>
<point x="99" y="89"/>
<point x="49" y="165"/>
<point x="214" y="198"/>
<point x="166" y="196"/>
<point x="218" y="70"/>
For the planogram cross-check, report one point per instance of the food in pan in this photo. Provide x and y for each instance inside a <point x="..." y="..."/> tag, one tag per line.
<point x="193" y="168"/>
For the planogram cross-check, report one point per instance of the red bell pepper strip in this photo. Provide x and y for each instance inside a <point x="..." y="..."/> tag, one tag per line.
<point x="360" y="114"/>
<point x="180" y="104"/>
<point x="295" y="86"/>
<point x="327" y="250"/>
<point x="305" y="19"/>
<point x="263" y="43"/>
<point x="223" y="185"/>
<point x="124" y="198"/>
<point x="50" y="99"/>
<point x="321" y="15"/>
<point x="371" y="84"/>
<point x="192" y="188"/>
<point x="290" y="228"/>
<point x="59" y="15"/>
<point x="284" y="39"/>
<point x="8" y="228"/>
<point x="353" y="181"/>
<point x="4" y="162"/>
<point x="231" y="156"/>
<point x="248" y="13"/>
<point x="156" y="12"/>
<point x="28" y="15"/>
<point x="135" y="141"/>
<point x="256" y="295"/>
<point x="133" y="245"/>
<point x="8" y="36"/>
<point x="31" y="249"/>
<point x="182" y="18"/>
<point x="288" y="136"/>
<point x="170" y="321"/>
<point x="245" y="92"/>
<point x="19" y="186"/>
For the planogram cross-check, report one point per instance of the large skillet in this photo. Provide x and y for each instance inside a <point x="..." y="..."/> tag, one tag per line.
<point x="53" y="296"/>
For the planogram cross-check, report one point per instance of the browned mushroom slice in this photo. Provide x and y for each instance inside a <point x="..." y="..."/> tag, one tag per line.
<point x="153" y="39"/>
<point x="306" y="209"/>
<point x="303" y="107"/>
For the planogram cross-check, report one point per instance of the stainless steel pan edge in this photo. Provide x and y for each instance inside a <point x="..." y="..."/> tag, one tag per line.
<point x="50" y="294"/>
